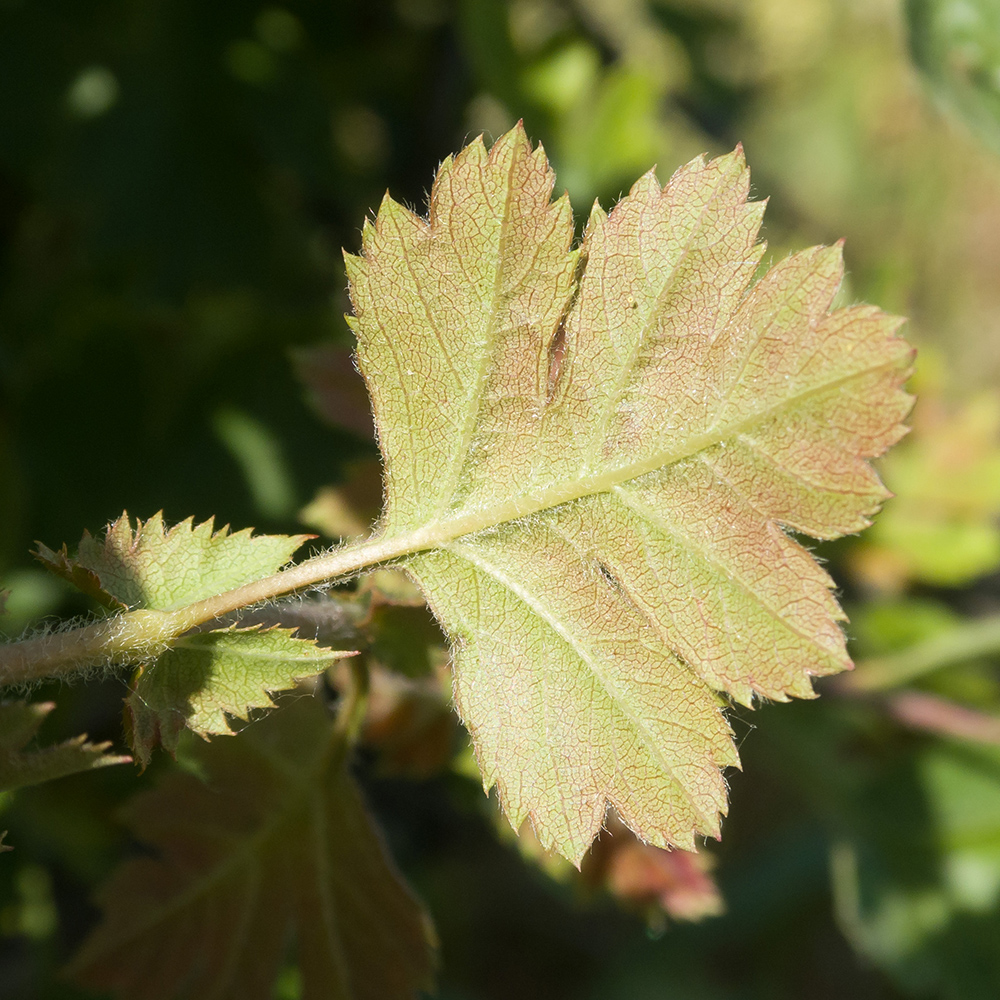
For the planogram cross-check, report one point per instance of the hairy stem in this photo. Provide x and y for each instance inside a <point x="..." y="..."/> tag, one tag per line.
<point x="143" y="634"/>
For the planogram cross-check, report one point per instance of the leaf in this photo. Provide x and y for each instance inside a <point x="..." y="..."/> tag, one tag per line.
<point x="347" y="511"/>
<point x="19" y="723"/>
<point x="678" y="884"/>
<point x="599" y="448"/>
<point x="277" y="844"/>
<point x="942" y="527"/>
<point x="918" y="894"/>
<point x="165" y="569"/>
<point x="204" y="677"/>
<point x="956" y="44"/>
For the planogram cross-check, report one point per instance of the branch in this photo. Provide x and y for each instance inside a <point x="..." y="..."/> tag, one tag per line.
<point x="143" y="634"/>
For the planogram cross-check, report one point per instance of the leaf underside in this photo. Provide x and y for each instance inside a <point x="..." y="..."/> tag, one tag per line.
<point x="207" y="677"/>
<point x="601" y="449"/>
<point x="165" y="569"/>
<point x="275" y="847"/>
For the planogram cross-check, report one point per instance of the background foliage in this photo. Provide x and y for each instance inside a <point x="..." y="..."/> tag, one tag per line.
<point x="176" y="181"/>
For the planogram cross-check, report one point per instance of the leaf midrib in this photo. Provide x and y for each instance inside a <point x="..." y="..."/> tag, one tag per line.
<point x="440" y="532"/>
<point x="387" y="548"/>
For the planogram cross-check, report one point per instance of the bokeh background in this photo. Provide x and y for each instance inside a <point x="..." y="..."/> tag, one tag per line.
<point x="176" y="182"/>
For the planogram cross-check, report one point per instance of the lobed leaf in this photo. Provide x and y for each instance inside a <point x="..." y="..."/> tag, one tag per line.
<point x="205" y="677"/>
<point x="164" y="569"/>
<point x="275" y="848"/>
<point x="19" y="765"/>
<point x="594" y="454"/>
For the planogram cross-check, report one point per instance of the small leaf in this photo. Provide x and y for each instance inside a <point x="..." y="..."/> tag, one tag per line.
<point x="276" y="845"/>
<point x="19" y="722"/>
<point x="678" y="884"/>
<point x="336" y="390"/>
<point x="205" y="677"/>
<point x="592" y="454"/>
<point x="165" y="569"/>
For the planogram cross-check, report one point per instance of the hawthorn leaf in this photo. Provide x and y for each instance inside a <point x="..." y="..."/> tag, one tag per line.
<point x="20" y="765"/>
<point x="202" y="677"/>
<point x="164" y="569"/>
<point x="275" y="846"/>
<point x="207" y="676"/>
<point x="592" y="457"/>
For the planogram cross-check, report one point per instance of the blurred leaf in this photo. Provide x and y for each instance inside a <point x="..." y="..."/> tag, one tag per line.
<point x="893" y="624"/>
<point x="205" y="677"/>
<point x="167" y="569"/>
<point x="677" y="884"/>
<point x="943" y="527"/>
<point x="350" y="510"/>
<point x="257" y="451"/>
<point x="956" y="44"/>
<point x="411" y="723"/>
<point x="19" y="722"/>
<point x="276" y="844"/>
<point x="937" y="935"/>
<point x="390" y="586"/>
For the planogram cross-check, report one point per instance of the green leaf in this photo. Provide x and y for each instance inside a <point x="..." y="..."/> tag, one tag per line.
<point x="956" y="44"/>
<point x="19" y="722"/>
<point x="596" y="451"/>
<point x="165" y="569"/>
<point x="205" y="677"/>
<point x="919" y="893"/>
<point x="276" y="846"/>
<point x="942" y="528"/>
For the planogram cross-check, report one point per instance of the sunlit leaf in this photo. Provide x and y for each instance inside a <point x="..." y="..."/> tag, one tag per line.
<point x="274" y="850"/>
<point x="163" y="569"/>
<point x="595" y="451"/>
